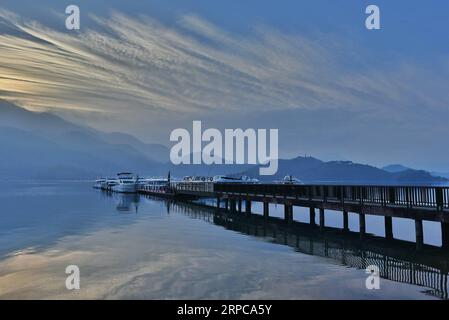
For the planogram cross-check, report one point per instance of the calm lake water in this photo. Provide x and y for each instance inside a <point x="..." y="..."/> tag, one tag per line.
<point x="131" y="247"/>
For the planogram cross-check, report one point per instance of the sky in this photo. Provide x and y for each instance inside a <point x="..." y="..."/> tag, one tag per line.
<point x="311" y="69"/>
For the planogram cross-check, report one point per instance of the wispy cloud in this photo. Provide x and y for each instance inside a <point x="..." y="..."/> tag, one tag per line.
<point x="138" y="66"/>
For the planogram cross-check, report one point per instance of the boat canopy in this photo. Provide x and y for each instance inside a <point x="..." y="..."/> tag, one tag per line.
<point x="124" y="173"/>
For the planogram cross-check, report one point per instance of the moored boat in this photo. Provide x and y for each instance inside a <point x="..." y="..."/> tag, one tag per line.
<point x="289" y="179"/>
<point x="125" y="183"/>
<point x="242" y="179"/>
<point x="99" y="183"/>
<point x="109" y="184"/>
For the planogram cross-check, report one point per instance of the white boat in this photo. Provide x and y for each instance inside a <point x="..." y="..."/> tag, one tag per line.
<point x="289" y="179"/>
<point x="242" y="179"/>
<point x="99" y="183"/>
<point x="109" y="184"/>
<point x="250" y="180"/>
<point x="126" y="183"/>
<point x="197" y="179"/>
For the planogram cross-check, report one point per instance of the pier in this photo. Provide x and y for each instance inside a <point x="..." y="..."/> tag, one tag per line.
<point x="418" y="203"/>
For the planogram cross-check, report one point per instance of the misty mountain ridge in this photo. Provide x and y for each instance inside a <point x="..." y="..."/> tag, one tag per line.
<point x="312" y="170"/>
<point x="441" y="174"/>
<point x="395" y="168"/>
<point x="40" y="145"/>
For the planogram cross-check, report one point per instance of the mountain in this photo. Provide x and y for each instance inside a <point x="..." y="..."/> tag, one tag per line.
<point x="418" y="176"/>
<point x="441" y="174"/>
<point x="50" y="125"/>
<point x="42" y="145"/>
<point x="395" y="168"/>
<point x="156" y="152"/>
<point x="312" y="170"/>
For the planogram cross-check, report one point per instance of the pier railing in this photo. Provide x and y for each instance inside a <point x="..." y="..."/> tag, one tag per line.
<point x="404" y="196"/>
<point x="204" y="187"/>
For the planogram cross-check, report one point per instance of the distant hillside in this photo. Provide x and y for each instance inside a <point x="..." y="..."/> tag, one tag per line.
<point x="42" y="145"/>
<point x="441" y="174"/>
<point x="395" y="168"/>
<point x="156" y="152"/>
<point x="312" y="170"/>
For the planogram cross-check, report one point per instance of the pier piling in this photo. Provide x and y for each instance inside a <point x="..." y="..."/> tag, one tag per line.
<point x="388" y="228"/>
<point x="362" y="225"/>
<point x="288" y="212"/>
<point x="345" y="221"/>
<point x="419" y="234"/>
<point x="312" y="216"/>
<point x="322" y="222"/>
<point x="233" y="205"/>
<point x="248" y="206"/>
<point x="445" y="235"/>
<point x="266" y="209"/>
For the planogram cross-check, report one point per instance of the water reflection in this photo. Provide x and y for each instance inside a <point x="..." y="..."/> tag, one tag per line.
<point x="155" y="255"/>
<point x="397" y="260"/>
<point x="126" y="203"/>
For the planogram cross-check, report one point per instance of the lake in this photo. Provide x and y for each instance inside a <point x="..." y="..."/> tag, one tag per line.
<point x="135" y="247"/>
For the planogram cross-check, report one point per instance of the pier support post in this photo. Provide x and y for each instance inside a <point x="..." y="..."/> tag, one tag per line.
<point x="419" y="234"/>
<point x="233" y="205"/>
<point x="312" y="216"/>
<point x="322" y="223"/>
<point x="388" y="228"/>
<point x="218" y="202"/>
<point x="226" y="204"/>
<point x="240" y="204"/>
<point x="445" y="235"/>
<point x="266" y="209"/>
<point x="288" y="212"/>
<point x="362" y="225"/>
<point x="248" y="206"/>
<point x="345" y="221"/>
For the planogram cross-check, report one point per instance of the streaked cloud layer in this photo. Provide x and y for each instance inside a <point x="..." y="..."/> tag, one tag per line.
<point x="141" y="63"/>
<point x="129" y="64"/>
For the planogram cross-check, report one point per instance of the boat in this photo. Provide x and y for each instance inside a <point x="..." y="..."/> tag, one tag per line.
<point x="197" y="179"/>
<point x="109" y="184"/>
<point x="99" y="183"/>
<point x="242" y="179"/>
<point x="126" y="182"/>
<point x="289" y="179"/>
